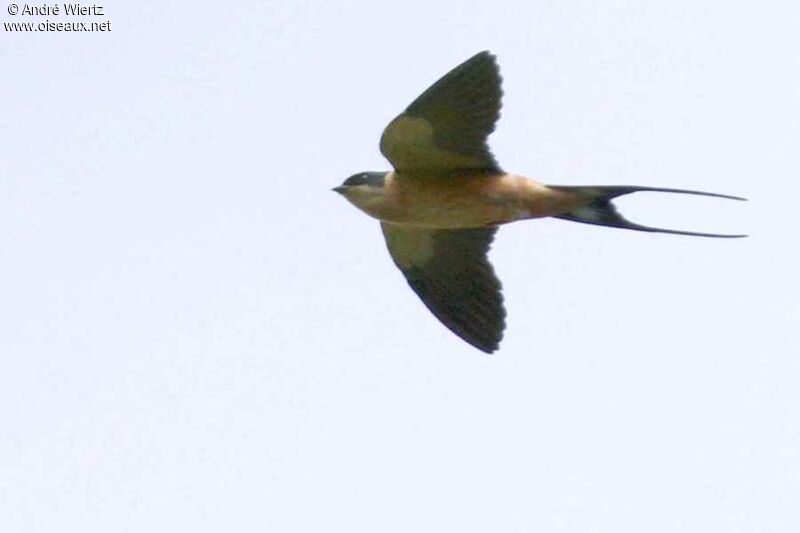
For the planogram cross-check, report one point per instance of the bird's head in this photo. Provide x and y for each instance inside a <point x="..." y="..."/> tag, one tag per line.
<point x="363" y="188"/>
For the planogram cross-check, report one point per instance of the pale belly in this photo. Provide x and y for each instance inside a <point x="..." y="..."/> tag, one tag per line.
<point x="467" y="202"/>
<point x="460" y="212"/>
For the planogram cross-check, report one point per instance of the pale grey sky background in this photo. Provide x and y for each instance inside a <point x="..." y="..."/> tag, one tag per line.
<point x="197" y="335"/>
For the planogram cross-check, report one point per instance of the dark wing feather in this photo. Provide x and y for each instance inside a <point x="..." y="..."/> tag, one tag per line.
<point x="446" y="127"/>
<point x="450" y="272"/>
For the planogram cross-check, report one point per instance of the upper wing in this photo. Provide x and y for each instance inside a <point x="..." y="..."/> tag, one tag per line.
<point x="446" y="127"/>
<point x="449" y="271"/>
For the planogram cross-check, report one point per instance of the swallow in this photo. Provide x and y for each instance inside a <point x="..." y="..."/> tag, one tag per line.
<point x="442" y="204"/>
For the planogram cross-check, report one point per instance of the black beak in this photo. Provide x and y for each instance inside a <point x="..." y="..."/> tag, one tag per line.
<point x="340" y="189"/>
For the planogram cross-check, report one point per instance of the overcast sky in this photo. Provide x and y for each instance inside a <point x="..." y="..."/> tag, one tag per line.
<point x="196" y="334"/>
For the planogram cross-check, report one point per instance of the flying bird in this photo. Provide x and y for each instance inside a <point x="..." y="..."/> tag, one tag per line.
<point x="441" y="206"/>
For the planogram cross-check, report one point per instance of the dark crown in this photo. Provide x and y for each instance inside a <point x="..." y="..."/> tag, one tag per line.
<point x="365" y="178"/>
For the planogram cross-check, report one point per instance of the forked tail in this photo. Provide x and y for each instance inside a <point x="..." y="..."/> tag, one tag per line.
<point x="600" y="211"/>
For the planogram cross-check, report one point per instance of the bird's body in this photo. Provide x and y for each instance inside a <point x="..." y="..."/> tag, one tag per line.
<point x="479" y="201"/>
<point x="441" y="205"/>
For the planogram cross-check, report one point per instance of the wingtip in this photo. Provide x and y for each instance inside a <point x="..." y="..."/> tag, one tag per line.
<point x="484" y="54"/>
<point x="488" y="350"/>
